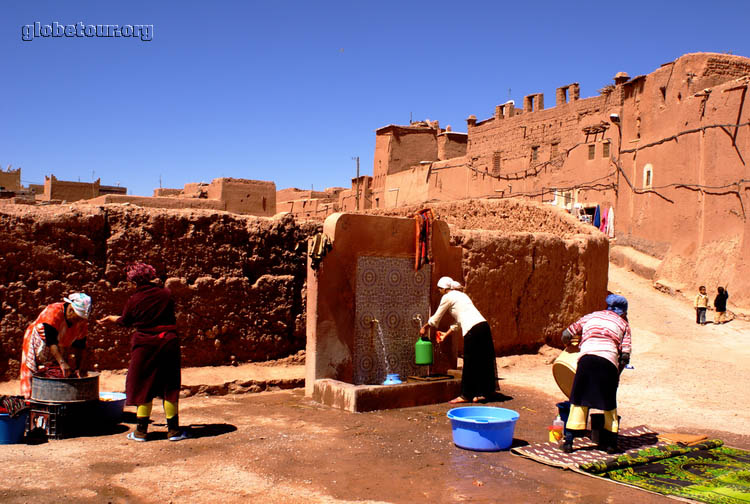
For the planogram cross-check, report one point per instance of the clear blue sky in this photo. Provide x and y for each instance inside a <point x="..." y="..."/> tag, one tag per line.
<point x="290" y="91"/>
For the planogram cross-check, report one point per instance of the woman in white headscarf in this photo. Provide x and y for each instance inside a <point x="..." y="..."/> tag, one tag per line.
<point x="60" y="327"/>
<point x="479" y="379"/>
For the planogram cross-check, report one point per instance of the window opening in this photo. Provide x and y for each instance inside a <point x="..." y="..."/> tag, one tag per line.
<point x="496" y="163"/>
<point x="648" y="176"/>
<point x="592" y="151"/>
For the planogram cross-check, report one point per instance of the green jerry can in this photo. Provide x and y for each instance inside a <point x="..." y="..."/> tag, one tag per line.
<point x="423" y="351"/>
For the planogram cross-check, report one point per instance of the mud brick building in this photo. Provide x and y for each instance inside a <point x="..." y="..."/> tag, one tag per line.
<point x="668" y="151"/>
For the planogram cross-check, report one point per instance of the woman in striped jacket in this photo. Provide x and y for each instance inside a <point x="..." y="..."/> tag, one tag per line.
<point x="605" y="348"/>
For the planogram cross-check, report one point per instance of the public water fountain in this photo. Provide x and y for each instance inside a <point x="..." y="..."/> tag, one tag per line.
<point x="365" y="305"/>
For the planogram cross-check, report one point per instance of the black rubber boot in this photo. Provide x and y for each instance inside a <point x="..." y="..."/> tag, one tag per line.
<point x="603" y="441"/>
<point x="173" y="426"/>
<point x="609" y="441"/>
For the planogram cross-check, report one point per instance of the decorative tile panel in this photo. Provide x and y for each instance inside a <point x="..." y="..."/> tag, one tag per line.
<point x="390" y="291"/>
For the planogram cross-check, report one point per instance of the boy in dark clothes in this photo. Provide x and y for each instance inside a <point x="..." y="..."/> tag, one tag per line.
<point x="720" y="304"/>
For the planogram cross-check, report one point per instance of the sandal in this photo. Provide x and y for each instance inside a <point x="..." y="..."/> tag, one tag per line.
<point x="179" y="436"/>
<point x="133" y="437"/>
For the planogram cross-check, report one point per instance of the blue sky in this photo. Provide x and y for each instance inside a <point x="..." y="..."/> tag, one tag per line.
<point x="290" y="91"/>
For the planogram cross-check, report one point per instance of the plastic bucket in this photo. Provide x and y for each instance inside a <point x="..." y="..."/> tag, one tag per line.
<point x="12" y="429"/>
<point x="564" y="369"/>
<point x="483" y="428"/>
<point x="111" y="406"/>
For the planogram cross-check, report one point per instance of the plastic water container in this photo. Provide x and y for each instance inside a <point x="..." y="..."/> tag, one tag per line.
<point x="483" y="428"/>
<point x="563" y="411"/>
<point x="111" y="406"/>
<point x="12" y="429"/>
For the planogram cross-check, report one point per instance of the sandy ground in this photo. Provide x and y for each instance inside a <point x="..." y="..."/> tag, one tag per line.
<point x="685" y="375"/>
<point x="278" y="446"/>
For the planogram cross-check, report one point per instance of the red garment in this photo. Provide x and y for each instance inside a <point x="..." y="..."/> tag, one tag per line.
<point x="154" y="369"/>
<point x="36" y="353"/>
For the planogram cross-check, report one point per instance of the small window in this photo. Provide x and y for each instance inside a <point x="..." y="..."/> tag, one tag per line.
<point x="554" y="150"/>
<point x="592" y="151"/>
<point x="605" y="149"/>
<point x="496" y="163"/>
<point x="535" y="153"/>
<point x="648" y="176"/>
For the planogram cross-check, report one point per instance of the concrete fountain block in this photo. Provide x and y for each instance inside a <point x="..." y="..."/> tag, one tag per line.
<point x="361" y="398"/>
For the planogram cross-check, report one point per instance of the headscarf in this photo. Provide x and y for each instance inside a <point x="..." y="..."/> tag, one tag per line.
<point x="81" y="304"/>
<point x="140" y="273"/>
<point x="448" y="283"/>
<point x="617" y="304"/>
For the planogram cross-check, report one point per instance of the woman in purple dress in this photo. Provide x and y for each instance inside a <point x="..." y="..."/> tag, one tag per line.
<point x="154" y="369"/>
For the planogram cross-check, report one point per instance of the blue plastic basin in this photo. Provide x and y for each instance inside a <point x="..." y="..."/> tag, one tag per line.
<point x="483" y="428"/>
<point x="12" y="429"/>
<point x="111" y="406"/>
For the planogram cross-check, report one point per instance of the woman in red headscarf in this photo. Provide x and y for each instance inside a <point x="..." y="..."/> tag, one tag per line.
<point x="154" y="369"/>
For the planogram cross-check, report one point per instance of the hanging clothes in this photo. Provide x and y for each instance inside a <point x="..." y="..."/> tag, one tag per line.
<point x="603" y="225"/>
<point x="423" y="234"/>
<point x="597" y="217"/>
<point x="611" y="222"/>
<point x="317" y="247"/>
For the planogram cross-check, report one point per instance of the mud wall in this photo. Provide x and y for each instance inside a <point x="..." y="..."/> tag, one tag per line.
<point x="237" y="280"/>
<point x="530" y="269"/>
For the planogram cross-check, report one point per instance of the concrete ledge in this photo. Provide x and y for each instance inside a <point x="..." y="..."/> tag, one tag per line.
<point x="639" y="263"/>
<point x="360" y="398"/>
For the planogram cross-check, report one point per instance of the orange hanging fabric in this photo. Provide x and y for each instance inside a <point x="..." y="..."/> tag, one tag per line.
<point x="423" y="234"/>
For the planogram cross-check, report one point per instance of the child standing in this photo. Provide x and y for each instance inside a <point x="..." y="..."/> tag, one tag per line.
<point x="701" y="304"/>
<point x="720" y="304"/>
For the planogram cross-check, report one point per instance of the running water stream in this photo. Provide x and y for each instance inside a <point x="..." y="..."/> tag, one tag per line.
<point x="381" y="339"/>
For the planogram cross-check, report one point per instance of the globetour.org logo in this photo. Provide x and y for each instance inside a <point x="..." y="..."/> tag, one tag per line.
<point x="56" y="30"/>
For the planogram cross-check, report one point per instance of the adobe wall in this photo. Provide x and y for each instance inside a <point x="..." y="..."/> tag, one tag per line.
<point x="10" y="179"/>
<point x="530" y="269"/>
<point x="64" y="190"/>
<point x="254" y="197"/>
<point x="399" y="147"/>
<point x="694" y="214"/>
<point x="164" y="191"/>
<point x="451" y="144"/>
<point x="156" y="202"/>
<point x="237" y="281"/>
<point x="361" y="190"/>
<point x="292" y="193"/>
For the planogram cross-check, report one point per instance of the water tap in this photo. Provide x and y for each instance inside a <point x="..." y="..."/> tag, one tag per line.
<point x="418" y="319"/>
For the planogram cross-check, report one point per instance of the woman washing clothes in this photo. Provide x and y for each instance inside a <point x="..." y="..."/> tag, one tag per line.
<point x="154" y="369"/>
<point x="58" y="329"/>
<point x="479" y="378"/>
<point x="604" y="353"/>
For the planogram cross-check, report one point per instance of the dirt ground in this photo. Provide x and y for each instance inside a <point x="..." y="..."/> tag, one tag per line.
<point x="278" y="446"/>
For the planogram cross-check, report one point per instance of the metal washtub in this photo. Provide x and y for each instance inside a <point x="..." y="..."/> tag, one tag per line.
<point x="65" y="390"/>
